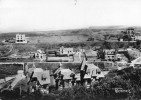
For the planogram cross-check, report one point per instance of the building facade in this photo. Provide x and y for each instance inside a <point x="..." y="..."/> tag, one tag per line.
<point x="40" y="55"/>
<point x="66" y="51"/>
<point x="110" y="54"/>
<point x="20" y="38"/>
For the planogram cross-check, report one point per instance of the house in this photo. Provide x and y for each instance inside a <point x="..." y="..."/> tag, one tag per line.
<point x="60" y="59"/>
<point x="66" y="51"/>
<point x="97" y="47"/>
<point x="110" y="54"/>
<point x="91" y="73"/>
<point x="134" y="53"/>
<point x="20" y="38"/>
<point x="78" y="56"/>
<point x="138" y="37"/>
<point x="63" y="77"/>
<point x="128" y="35"/>
<point x="91" y="55"/>
<point x="40" y="55"/>
<point x="94" y="71"/>
<point x="38" y="78"/>
<point x="42" y="76"/>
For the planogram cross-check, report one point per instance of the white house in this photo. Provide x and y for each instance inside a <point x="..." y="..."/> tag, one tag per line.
<point x="39" y="54"/>
<point x="20" y="38"/>
<point x="109" y="54"/>
<point x="66" y="51"/>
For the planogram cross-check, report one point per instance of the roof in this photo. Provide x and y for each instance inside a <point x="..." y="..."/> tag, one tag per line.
<point x="100" y="76"/>
<point x="35" y="70"/>
<point x="43" y="77"/>
<point x="87" y="76"/>
<point x="66" y="48"/>
<point x="40" y="51"/>
<point x="90" y="53"/>
<point x="38" y="70"/>
<point x="136" y="61"/>
<point x="66" y="73"/>
<point x="77" y="76"/>
<point x="92" y="66"/>
<point x="92" y="70"/>
<point x="58" y="70"/>
<point x="17" y="79"/>
<point x="135" y="53"/>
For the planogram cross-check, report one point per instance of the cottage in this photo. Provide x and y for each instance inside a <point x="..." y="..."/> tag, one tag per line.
<point x="92" y="74"/>
<point x="128" y="35"/>
<point x="63" y="77"/>
<point x="40" y="55"/>
<point x="110" y="54"/>
<point x="91" y="55"/>
<point x="66" y="51"/>
<point x="38" y="78"/>
<point x="78" y="56"/>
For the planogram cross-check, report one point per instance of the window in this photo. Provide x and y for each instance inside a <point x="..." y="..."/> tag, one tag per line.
<point x="98" y="71"/>
<point x="43" y="77"/>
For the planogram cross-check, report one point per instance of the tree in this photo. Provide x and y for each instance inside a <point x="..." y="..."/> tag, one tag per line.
<point x="138" y="43"/>
<point x="107" y="45"/>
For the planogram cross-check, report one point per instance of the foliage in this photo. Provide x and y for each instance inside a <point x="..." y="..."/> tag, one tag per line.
<point x="127" y="79"/>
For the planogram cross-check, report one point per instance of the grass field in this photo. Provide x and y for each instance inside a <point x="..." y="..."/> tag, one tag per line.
<point x="58" y="39"/>
<point x="9" y="69"/>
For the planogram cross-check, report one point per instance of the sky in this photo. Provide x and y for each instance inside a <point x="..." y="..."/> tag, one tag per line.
<point x="44" y="15"/>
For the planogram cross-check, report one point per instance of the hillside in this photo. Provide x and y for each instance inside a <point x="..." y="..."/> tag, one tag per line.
<point x="66" y="36"/>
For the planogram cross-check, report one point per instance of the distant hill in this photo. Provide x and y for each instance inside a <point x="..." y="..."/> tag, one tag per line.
<point x="71" y="35"/>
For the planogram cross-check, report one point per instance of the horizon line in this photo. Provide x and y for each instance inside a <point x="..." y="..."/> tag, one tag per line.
<point x="90" y="27"/>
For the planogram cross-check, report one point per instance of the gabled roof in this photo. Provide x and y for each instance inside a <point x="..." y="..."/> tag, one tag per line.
<point x="66" y="73"/>
<point x="100" y="76"/>
<point x="92" y="70"/>
<point x="77" y="76"/>
<point x="91" y="53"/>
<point x="136" y="61"/>
<point x="43" y="77"/>
<point x="38" y="70"/>
<point x="58" y="70"/>
<point x="40" y="51"/>
<point x="91" y="66"/>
